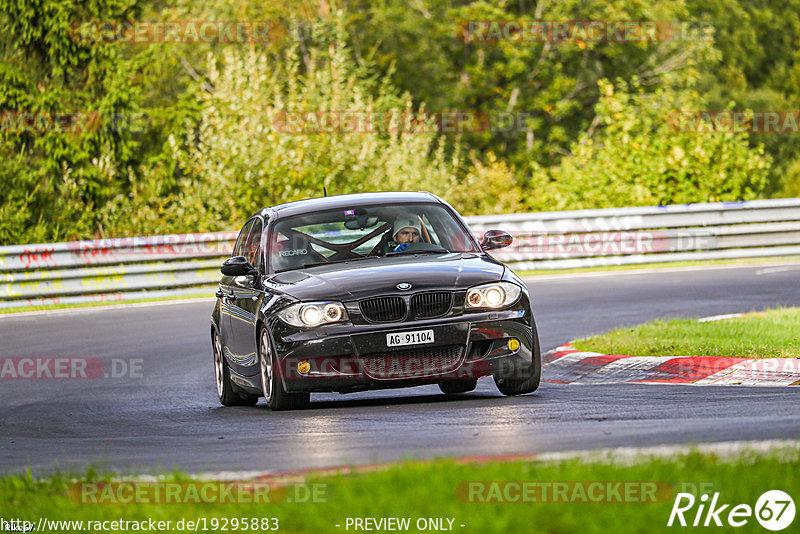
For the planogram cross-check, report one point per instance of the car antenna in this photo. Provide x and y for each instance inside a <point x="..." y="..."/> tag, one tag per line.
<point x="324" y="191"/>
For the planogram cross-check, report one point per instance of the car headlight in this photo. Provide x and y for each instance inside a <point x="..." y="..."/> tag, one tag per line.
<point x="493" y="296"/>
<point x="305" y="314"/>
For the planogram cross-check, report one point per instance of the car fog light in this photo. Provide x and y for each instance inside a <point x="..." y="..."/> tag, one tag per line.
<point x="303" y="367"/>
<point x="513" y="344"/>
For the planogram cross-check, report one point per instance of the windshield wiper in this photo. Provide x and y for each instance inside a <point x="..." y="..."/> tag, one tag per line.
<point x="318" y="263"/>
<point x="428" y="251"/>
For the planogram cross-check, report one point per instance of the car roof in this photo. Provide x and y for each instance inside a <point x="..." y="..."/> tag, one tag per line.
<point x="300" y="207"/>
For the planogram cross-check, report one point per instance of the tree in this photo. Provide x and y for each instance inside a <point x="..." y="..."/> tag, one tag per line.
<point x="58" y="176"/>
<point x="280" y="127"/>
<point x="641" y="156"/>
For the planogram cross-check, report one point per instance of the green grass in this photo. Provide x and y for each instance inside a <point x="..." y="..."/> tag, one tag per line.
<point x="661" y="265"/>
<point x="438" y="489"/>
<point x="22" y="309"/>
<point x="767" y="334"/>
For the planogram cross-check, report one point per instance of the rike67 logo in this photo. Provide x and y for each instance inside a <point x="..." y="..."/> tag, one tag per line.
<point x="774" y="510"/>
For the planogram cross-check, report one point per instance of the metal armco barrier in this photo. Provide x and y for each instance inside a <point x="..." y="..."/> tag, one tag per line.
<point x="130" y="268"/>
<point x="110" y="270"/>
<point x="627" y="236"/>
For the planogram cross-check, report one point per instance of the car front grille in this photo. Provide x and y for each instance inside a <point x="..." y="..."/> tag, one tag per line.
<point x="383" y="309"/>
<point x="432" y="304"/>
<point x="413" y="363"/>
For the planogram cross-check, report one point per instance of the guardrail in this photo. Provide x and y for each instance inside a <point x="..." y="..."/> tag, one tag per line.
<point x="109" y="270"/>
<point x="131" y="268"/>
<point x="641" y="235"/>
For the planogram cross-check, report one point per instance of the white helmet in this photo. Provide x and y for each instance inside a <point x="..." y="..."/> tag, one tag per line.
<point x="406" y="222"/>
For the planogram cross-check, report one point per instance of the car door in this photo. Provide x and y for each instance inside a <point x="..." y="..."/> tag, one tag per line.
<point x="227" y="287"/>
<point x="246" y="297"/>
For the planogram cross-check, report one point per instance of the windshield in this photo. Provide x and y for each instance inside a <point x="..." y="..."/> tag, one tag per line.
<point x="366" y="231"/>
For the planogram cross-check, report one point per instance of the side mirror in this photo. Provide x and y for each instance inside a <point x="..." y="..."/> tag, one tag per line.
<point x="494" y="239"/>
<point x="237" y="266"/>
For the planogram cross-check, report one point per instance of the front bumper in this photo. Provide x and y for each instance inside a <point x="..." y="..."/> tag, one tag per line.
<point x="348" y="358"/>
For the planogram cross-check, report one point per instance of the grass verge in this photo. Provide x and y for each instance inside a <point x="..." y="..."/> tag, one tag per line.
<point x="661" y="265"/>
<point x="767" y="334"/>
<point x="447" y="489"/>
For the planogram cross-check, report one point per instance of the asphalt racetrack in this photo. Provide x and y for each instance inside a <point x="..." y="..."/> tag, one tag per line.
<point x="165" y="413"/>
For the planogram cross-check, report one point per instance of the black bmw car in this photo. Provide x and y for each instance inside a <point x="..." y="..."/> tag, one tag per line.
<point x="359" y="292"/>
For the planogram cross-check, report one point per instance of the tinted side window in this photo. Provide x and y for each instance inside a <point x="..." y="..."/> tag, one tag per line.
<point x="239" y="248"/>
<point x="253" y="248"/>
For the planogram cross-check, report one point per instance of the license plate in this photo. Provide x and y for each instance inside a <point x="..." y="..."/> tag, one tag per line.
<point x="417" y="337"/>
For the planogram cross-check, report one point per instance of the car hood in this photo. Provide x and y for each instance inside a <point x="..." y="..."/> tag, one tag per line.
<point x="370" y="277"/>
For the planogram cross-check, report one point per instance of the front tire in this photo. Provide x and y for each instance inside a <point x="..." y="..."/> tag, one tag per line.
<point x="228" y="395"/>
<point x="277" y="398"/>
<point x="519" y="386"/>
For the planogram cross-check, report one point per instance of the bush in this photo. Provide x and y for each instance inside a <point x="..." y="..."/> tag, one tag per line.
<point x="248" y="150"/>
<point x="640" y="157"/>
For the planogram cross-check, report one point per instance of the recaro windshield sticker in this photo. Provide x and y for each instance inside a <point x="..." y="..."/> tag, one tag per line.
<point x="293" y="252"/>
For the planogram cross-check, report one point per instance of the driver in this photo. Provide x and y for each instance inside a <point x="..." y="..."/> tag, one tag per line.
<point x="406" y="231"/>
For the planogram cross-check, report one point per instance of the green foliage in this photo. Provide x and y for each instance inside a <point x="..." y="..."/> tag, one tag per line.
<point x="760" y="70"/>
<point x="247" y="153"/>
<point x="188" y="138"/>
<point x="56" y="183"/>
<point x="424" y="45"/>
<point x="640" y="157"/>
<point x="488" y="187"/>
